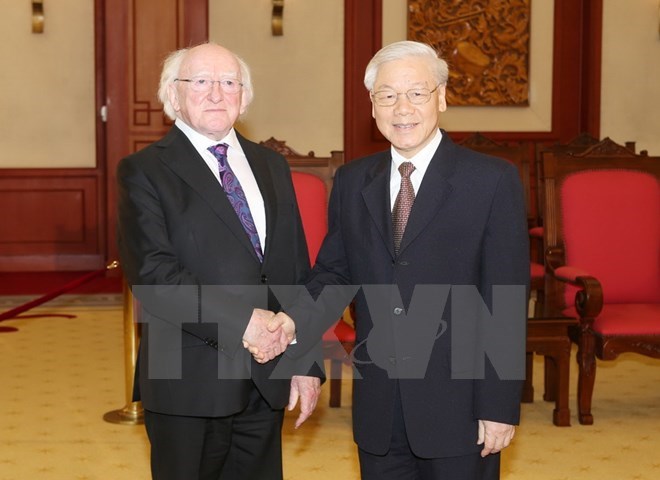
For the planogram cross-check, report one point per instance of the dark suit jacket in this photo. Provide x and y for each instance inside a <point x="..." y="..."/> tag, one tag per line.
<point x="467" y="227"/>
<point x="176" y="227"/>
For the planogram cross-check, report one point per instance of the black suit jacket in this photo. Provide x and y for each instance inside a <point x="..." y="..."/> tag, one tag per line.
<point x="176" y="227"/>
<point x="467" y="227"/>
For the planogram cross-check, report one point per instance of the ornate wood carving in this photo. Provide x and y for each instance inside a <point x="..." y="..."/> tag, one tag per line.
<point x="323" y="167"/>
<point x="607" y="147"/>
<point x="582" y="140"/>
<point x="479" y="140"/>
<point x="613" y="346"/>
<point x="486" y="44"/>
<point x="282" y="148"/>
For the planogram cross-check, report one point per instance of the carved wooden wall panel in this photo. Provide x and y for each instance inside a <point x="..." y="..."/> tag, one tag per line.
<point x="486" y="44"/>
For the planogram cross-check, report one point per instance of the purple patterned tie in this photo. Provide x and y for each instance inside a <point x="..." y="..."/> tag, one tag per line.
<point x="236" y="196"/>
<point x="403" y="204"/>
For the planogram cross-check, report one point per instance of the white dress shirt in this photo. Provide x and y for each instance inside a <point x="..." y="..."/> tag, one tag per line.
<point x="421" y="162"/>
<point x="239" y="165"/>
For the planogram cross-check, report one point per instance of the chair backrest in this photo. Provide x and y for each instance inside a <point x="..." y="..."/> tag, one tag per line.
<point x="602" y="209"/>
<point x="518" y="154"/>
<point x="323" y="167"/>
<point x="312" y="180"/>
<point x="577" y="145"/>
<point x="311" y="194"/>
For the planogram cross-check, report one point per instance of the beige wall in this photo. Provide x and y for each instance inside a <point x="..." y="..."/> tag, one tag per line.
<point x="47" y="99"/>
<point x="298" y="77"/>
<point x="630" y="95"/>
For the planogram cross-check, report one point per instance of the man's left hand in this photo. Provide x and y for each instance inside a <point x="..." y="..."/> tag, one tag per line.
<point x="307" y="389"/>
<point x="494" y="436"/>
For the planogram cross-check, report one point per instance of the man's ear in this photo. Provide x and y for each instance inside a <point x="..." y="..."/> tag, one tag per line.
<point x="244" y="103"/>
<point x="442" y="98"/>
<point x="173" y="97"/>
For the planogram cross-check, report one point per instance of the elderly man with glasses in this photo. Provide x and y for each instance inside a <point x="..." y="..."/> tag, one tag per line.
<point x="206" y="217"/>
<point x="435" y="236"/>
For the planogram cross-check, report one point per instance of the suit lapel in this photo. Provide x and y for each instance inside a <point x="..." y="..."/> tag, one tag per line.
<point x="182" y="158"/>
<point x="433" y="191"/>
<point x="376" y="195"/>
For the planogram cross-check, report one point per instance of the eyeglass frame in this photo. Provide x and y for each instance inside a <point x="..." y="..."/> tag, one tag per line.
<point x="406" y="93"/>
<point x="191" y="82"/>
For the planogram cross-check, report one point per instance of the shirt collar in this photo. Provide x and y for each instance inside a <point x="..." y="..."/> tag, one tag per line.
<point x="202" y="142"/>
<point x="422" y="158"/>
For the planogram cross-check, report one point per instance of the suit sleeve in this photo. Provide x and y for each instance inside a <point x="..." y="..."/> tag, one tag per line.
<point x="505" y="262"/>
<point x="319" y="307"/>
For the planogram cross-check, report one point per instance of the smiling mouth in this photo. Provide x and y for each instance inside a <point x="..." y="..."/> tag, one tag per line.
<point x="404" y="126"/>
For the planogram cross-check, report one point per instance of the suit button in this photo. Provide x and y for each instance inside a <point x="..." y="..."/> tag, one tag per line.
<point x="398" y="311"/>
<point x="264" y="279"/>
<point x="404" y="263"/>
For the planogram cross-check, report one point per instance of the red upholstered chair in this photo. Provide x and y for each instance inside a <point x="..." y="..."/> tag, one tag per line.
<point x="602" y="231"/>
<point x="577" y="145"/>
<point x="312" y="180"/>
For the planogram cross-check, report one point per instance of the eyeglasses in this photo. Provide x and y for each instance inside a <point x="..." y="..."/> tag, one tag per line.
<point x="204" y="84"/>
<point x="416" y="96"/>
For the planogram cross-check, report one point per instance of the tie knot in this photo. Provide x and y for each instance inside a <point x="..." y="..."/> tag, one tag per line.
<point x="219" y="151"/>
<point x="406" y="169"/>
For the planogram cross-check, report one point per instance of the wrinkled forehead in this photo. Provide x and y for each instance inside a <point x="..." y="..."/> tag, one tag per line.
<point x="210" y="60"/>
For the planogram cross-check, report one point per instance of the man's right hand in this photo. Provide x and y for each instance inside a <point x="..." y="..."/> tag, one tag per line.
<point x="268" y="335"/>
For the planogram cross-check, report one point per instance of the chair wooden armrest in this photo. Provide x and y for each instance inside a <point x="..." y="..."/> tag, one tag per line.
<point x="589" y="296"/>
<point x="588" y="299"/>
<point x="554" y="258"/>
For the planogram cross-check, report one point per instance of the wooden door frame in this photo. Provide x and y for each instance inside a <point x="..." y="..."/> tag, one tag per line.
<point x="112" y="21"/>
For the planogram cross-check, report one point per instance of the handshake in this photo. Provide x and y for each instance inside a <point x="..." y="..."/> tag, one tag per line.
<point x="268" y="334"/>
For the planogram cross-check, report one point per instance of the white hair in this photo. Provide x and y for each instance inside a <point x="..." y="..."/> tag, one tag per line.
<point x="406" y="49"/>
<point x="172" y="67"/>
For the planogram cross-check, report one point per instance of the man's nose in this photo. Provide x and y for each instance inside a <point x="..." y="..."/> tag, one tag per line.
<point x="216" y="92"/>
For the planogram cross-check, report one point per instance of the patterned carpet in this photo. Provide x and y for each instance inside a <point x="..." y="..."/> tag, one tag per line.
<point x="60" y="375"/>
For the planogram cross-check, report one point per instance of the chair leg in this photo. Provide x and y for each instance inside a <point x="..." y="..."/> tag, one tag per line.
<point x="539" y="302"/>
<point x="528" y="387"/>
<point x="550" y="379"/>
<point x="586" y="359"/>
<point x="335" y="383"/>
